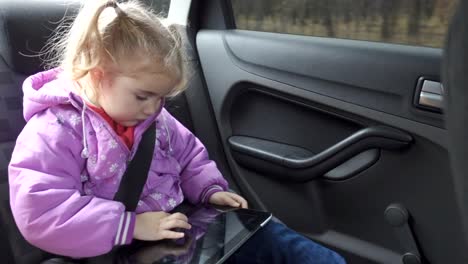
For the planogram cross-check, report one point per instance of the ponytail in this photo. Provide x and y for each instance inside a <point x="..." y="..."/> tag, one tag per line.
<point x="117" y="37"/>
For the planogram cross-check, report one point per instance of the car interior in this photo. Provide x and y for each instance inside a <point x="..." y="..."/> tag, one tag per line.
<point x="344" y="141"/>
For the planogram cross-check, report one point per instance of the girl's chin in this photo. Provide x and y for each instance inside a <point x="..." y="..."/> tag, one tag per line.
<point x="129" y="123"/>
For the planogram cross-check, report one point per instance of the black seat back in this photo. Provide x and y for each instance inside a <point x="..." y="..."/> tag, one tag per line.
<point x="24" y="29"/>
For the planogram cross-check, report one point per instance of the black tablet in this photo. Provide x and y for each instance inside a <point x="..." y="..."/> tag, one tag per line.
<point x="215" y="235"/>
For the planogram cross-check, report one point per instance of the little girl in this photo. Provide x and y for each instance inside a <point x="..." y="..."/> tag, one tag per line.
<point x="85" y="119"/>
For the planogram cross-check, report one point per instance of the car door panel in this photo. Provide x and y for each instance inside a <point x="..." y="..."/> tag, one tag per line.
<point x="286" y="96"/>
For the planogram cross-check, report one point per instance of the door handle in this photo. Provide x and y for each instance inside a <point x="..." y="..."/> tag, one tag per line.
<point x="296" y="164"/>
<point x="430" y="95"/>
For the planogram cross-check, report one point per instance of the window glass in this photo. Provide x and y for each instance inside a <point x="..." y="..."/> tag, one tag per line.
<point x="161" y="7"/>
<point x="413" y="22"/>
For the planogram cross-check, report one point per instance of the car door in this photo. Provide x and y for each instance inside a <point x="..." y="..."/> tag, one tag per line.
<point x="329" y="114"/>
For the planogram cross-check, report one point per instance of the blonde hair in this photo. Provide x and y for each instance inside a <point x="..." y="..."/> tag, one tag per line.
<point x="116" y="37"/>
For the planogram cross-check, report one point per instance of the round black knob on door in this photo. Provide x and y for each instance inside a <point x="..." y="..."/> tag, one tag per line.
<point x="410" y="258"/>
<point x="396" y="215"/>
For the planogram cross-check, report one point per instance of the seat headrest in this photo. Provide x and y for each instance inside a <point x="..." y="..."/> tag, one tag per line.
<point x="25" y="27"/>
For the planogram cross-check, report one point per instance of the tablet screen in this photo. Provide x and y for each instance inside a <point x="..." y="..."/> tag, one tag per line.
<point x="216" y="234"/>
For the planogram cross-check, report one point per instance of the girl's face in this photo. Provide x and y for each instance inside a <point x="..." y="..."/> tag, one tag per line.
<point x="129" y="100"/>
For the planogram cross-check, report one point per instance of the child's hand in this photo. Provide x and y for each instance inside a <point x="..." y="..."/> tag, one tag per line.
<point x="229" y="199"/>
<point x="152" y="226"/>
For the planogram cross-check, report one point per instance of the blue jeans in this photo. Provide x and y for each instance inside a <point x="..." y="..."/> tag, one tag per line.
<point x="276" y="243"/>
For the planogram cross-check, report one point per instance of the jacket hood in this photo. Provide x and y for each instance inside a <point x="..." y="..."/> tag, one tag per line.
<point x="44" y="90"/>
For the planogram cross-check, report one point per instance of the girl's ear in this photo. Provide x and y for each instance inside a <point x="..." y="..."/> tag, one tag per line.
<point x="96" y="75"/>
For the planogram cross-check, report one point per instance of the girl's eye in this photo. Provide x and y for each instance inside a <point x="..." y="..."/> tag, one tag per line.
<point x="141" y="98"/>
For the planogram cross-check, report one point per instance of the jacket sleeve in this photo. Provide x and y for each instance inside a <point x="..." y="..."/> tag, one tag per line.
<point x="46" y="195"/>
<point x="200" y="177"/>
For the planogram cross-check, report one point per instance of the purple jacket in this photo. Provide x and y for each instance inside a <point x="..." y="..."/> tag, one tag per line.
<point x="68" y="162"/>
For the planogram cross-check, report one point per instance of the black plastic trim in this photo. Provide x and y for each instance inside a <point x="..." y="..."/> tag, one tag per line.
<point x="354" y="166"/>
<point x="300" y="165"/>
<point x="215" y="14"/>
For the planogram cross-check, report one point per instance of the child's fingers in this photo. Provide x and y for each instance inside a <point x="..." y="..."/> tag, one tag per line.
<point x="229" y="200"/>
<point x="168" y="234"/>
<point x="243" y="203"/>
<point x="178" y="216"/>
<point x="174" y="223"/>
<point x="239" y="199"/>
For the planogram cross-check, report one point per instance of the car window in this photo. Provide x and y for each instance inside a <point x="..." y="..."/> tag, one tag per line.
<point x="413" y="22"/>
<point x="161" y="7"/>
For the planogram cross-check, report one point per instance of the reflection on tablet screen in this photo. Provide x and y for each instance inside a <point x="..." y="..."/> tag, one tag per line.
<point x="216" y="234"/>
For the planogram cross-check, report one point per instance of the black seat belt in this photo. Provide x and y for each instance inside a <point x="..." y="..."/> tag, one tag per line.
<point x="135" y="176"/>
<point x="132" y="183"/>
<point x="129" y="192"/>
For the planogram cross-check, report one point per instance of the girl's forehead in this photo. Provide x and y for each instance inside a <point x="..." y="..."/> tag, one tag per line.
<point x="147" y="68"/>
<point x="146" y="73"/>
<point x="160" y="83"/>
<point x="140" y="61"/>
